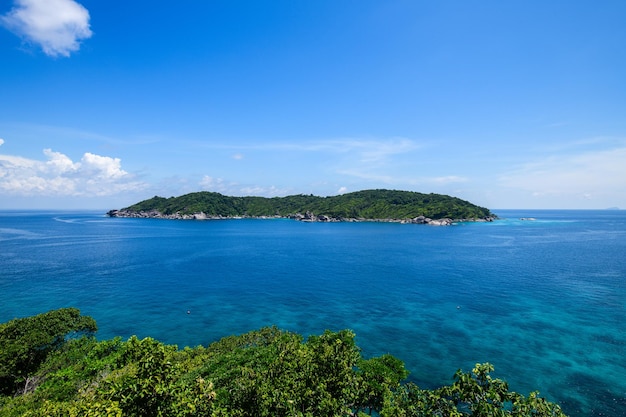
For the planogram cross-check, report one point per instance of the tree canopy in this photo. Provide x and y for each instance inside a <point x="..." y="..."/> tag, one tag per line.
<point x="367" y="204"/>
<point x="25" y="343"/>
<point x="266" y="372"/>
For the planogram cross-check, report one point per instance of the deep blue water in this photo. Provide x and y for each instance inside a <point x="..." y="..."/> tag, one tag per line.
<point x="543" y="300"/>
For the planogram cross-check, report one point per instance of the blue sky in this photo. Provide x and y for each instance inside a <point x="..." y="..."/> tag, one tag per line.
<point x="508" y="104"/>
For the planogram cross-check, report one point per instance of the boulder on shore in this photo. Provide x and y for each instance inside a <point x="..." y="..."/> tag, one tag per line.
<point x="306" y="217"/>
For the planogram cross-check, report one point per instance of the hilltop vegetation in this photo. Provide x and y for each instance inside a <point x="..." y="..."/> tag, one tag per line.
<point x="268" y="372"/>
<point x="368" y="204"/>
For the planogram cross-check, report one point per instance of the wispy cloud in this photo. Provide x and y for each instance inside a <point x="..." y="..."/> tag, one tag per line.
<point x="270" y="191"/>
<point x="403" y="180"/>
<point x="58" y="175"/>
<point x="363" y="150"/>
<point x="582" y="175"/>
<point x="367" y="149"/>
<point x="449" y="179"/>
<point x="368" y="176"/>
<point x="374" y="161"/>
<point x="369" y="159"/>
<point x="57" y="26"/>
<point x="219" y="185"/>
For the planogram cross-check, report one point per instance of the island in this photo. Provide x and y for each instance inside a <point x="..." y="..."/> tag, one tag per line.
<point x="368" y="205"/>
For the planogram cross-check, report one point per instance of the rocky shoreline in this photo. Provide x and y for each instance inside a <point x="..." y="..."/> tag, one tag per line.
<point x="306" y="217"/>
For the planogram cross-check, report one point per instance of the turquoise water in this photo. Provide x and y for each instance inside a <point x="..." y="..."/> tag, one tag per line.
<point x="543" y="300"/>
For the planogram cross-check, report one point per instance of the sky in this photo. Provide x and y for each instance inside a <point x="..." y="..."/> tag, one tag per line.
<point x="507" y="104"/>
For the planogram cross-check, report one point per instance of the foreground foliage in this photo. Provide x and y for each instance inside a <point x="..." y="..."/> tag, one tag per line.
<point x="268" y="372"/>
<point x="25" y="343"/>
<point x="368" y="204"/>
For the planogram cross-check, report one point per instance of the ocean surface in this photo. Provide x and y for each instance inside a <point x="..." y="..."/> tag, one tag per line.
<point x="543" y="300"/>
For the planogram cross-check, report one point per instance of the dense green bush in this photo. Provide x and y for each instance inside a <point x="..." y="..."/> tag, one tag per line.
<point x="25" y="343"/>
<point x="268" y="372"/>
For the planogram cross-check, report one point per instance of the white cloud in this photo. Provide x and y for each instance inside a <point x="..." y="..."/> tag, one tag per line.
<point x="342" y="190"/>
<point x="57" y="26"/>
<point x="1" y="141"/>
<point x="103" y="167"/>
<point x="94" y="175"/>
<point x="59" y="163"/>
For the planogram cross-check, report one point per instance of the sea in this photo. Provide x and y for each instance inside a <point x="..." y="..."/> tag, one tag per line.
<point x="539" y="294"/>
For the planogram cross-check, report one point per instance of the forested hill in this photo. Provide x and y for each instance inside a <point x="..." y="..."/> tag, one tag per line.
<point x="368" y="204"/>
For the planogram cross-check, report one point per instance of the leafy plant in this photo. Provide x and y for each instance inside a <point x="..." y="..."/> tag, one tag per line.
<point x="267" y="372"/>
<point x="26" y="342"/>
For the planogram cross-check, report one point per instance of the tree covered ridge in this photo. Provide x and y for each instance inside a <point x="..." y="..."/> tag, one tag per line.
<point x="367" y="204"/>
<point x="267" y="372"/>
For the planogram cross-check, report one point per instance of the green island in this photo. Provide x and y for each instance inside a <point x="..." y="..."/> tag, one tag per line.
<point x="367" y="205"/>
<point x="52" y="365"/>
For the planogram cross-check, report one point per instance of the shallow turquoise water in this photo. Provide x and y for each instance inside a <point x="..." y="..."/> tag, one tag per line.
<point x="543" y="300"/>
